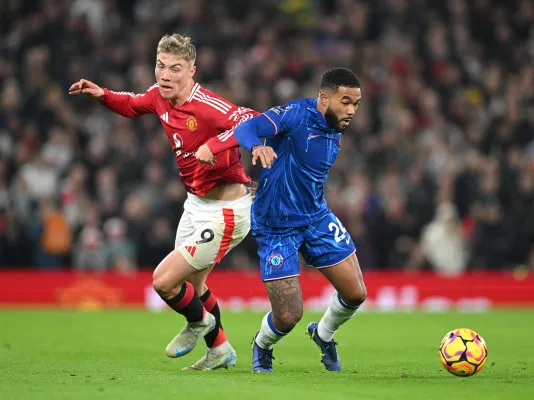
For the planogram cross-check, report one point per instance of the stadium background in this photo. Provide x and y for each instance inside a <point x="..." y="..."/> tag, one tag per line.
<point x="436" y="173"/>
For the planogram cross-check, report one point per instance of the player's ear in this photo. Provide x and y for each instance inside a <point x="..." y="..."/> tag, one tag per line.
<point x="193" y="70"/>
<point x="324" y="98"/>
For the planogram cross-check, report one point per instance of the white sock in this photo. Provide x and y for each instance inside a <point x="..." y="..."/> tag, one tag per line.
<point x="268" y="335"/>
<point x="335" y="315"/>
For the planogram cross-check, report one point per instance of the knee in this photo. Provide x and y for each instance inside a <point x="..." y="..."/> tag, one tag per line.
<point x="162" y="286"/>
<point x="356" y="297"/>
<point x="287" y="321"/>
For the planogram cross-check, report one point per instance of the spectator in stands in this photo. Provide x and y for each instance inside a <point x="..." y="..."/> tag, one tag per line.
<point x="446" y="84"/>
<point x="121" y="252"/>
<point x="443" y="243"/>
<point x="90" y="253"/>
<point x="52" y="236"/>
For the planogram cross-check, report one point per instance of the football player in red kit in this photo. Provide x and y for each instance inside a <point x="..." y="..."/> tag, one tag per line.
<point x="216" y="215"/>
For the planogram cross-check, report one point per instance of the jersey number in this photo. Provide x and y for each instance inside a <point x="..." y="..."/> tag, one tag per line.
<point x="339" y="228"/>
<point x="207" y="235"/>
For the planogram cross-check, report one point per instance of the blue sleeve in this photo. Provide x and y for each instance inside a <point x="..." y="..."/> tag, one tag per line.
<point x="272" y="122"/>
<point x="281" y="117"/>
<point x="248" y="133"/>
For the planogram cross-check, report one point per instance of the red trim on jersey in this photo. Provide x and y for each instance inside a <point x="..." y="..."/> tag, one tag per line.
<point x="275" y="127"/>
<point x="229" y="225"/>
<point x="188" y="296"/>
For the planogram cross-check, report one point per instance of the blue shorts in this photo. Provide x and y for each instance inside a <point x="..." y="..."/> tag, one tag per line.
<point x="322" y="244"/>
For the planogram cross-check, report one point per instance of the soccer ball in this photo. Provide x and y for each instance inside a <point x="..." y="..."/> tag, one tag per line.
<point x="463" y="352"/>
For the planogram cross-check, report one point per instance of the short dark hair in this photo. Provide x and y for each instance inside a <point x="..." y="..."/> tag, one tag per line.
<point x="336" y="77"/>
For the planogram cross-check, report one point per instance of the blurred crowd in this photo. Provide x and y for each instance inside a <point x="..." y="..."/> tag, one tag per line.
<point x="436" y="171"/>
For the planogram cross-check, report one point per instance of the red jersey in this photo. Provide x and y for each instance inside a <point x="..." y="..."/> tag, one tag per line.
<point x="202" y="116"/>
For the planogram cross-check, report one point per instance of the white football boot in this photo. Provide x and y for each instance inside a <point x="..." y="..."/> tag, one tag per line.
<point x="186" y="340"/>
<point x="222" y="356"/>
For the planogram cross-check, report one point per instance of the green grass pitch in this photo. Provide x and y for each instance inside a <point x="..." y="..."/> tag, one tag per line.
<point x="120" y="355"/>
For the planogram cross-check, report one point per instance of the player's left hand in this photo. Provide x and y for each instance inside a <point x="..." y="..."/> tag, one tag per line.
<point x="204" y="155"/>
<point x="266" y="154"/>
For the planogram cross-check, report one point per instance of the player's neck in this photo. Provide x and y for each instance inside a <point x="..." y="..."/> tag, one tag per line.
<point x="183" y="95"/>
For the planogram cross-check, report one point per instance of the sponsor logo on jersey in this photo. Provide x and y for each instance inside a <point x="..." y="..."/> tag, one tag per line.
<point x="276" y="260"/>
<point x="178" y="146"/>
<point x="178" y="141"/>
<point x="191" y="123"/>
<point x="280" y="109"/>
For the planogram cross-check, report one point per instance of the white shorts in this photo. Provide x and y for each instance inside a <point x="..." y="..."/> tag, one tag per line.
<point x="209" y="229"/>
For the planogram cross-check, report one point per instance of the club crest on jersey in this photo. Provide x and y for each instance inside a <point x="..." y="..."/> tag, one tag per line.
<point x="276" y="260"/>
<point x="191" y="123"/>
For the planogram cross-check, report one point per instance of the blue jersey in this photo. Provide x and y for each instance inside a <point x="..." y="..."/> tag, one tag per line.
<point x="289" y="213"/>
<point x="291" y="192"/>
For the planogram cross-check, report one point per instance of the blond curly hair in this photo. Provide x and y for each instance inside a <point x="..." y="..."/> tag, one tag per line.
<point x="178" y="45"/>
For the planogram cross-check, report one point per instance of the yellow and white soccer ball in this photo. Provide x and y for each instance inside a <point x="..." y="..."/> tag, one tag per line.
<point x="463" y="352"/>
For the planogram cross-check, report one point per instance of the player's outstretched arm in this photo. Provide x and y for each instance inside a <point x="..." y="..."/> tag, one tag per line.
<point x="124" y="103"/>
<point x="84" y="86"/>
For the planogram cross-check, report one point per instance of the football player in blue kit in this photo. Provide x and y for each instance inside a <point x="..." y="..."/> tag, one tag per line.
<point x="290" y="214"/>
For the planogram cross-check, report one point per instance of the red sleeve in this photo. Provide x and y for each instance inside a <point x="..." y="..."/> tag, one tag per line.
<point x="130" y="104"/>
<point x="226" y="140"/>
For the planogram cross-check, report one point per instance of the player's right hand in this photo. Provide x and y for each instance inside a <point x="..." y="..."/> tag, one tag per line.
<point x="87" y="87"/>
<point x="204" y="155"/>
<point x="266" y="155"/>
